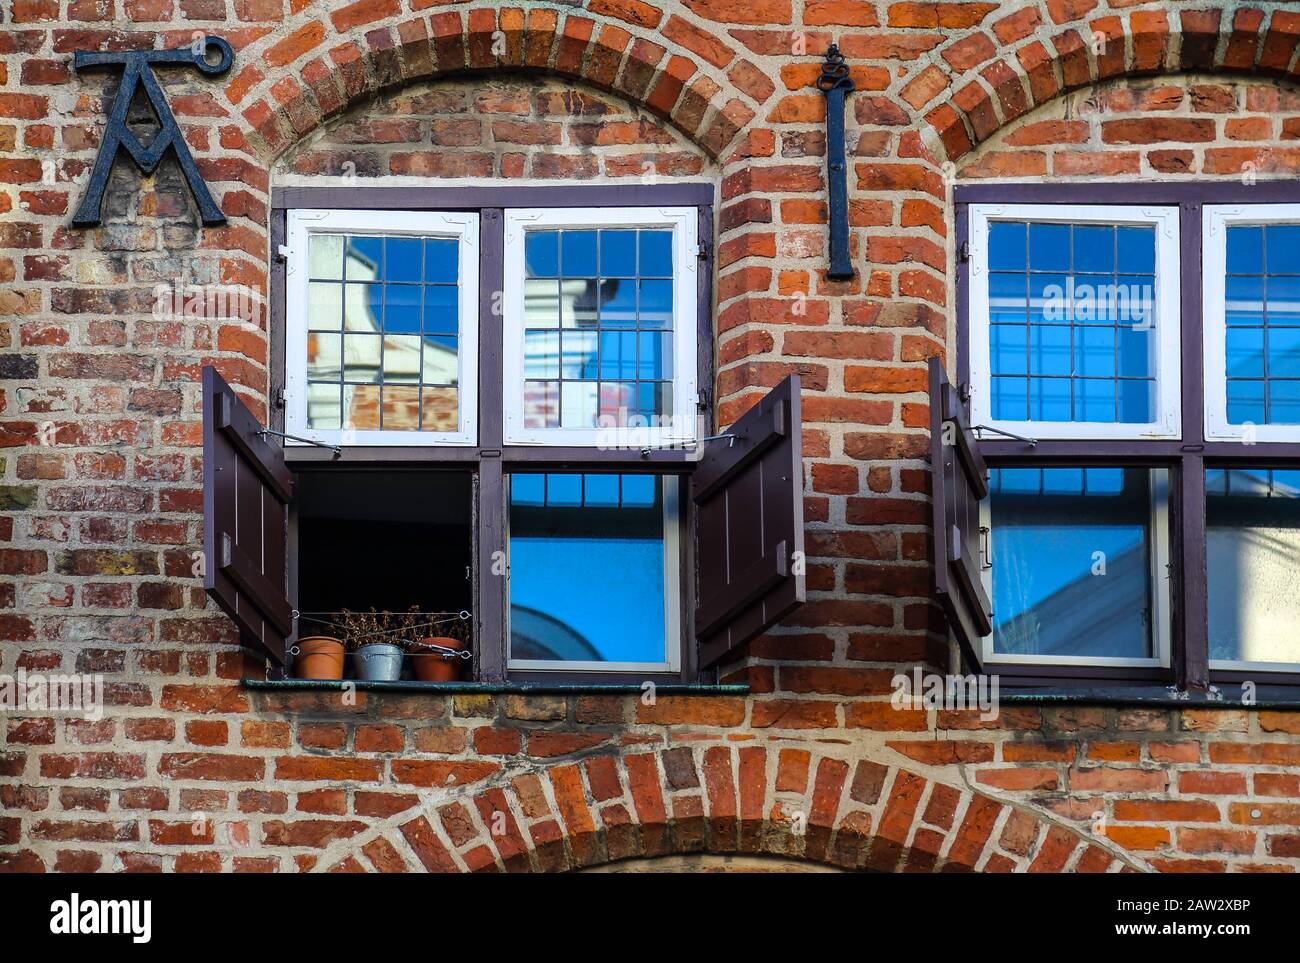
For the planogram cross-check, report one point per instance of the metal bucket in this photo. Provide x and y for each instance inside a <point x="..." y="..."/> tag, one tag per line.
<point x="379" y="662"/>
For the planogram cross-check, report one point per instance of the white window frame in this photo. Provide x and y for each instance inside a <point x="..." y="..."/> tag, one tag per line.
<point x="1168" y="421"/>
<point x="671" y="601"/>
<point x="683" y="222"/>
<point x="462" y="227"/>
<point x="1215" y="221"/>
<point x="1161" y="600"/>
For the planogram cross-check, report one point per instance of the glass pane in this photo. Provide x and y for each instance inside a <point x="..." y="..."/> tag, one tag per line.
<point x="1284" y="402"/>
<point x="580" y="359"/>
<point x="656" y="259"/>
<point x="1246" y="402"/>
<point x="1252" y="519"/>
<point x="401" y="407"/>
<point x="1262" y="312"/>
<point x="325" y="256"/>
<point x="402" y="257"/>
<point x="402" y="358"/>
<point x="542" y="354"/>
<point x="618" y="354"/>
<point x="1283" y="299"/>
<point x="1007" y="246"/>
<point x="1010" y="399"/>
<point x="542" y="254"/>
<point x="1049" y="247"/>
<point x="440" y="265"/>
<point x="586" y="571"/>
<point x="1283" y="352"/>
<point x="578" y="408"/>
<point x="439" y="409"/>
<point x="324" y="306"/>
<point x="323" y="354"/>
<point x="578" y="254"/>
<point x="655" y="304"/>
<point x="1245" y="250"/>
<point x="618" y="254"/>
<point x="323" y="410"/>
<point x="542" y="304"/>
<point x="441" y="309"/>
<point x="1086" y="321"/>
<point x="1282" y="242"/>
<point x="655" y="356"/>
<point x="618" y="303"/>
<point x="541" y="404"/>
<point x="402" y="308"/>
<point x="1072" y="561"/>
<point x="396" y="301"/>
<point x="1094" y="249"/>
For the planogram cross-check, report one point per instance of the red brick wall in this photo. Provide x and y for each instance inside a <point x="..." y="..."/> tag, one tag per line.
<point x="99" y="486"/>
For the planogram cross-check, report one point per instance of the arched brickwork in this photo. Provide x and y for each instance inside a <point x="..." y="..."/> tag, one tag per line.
<point x="988" y="78"/>
<point x="298" y="77"/>
<point x="851" y="813"/>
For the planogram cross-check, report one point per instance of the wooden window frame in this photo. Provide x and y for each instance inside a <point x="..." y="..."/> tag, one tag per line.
<point x="1186" y="458"/>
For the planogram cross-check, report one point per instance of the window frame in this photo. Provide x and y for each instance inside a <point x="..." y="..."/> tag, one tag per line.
<point x="686" y="247"/>
<point x="301" y="224"/>
<point x="1187" y="457"/>
<point x="673" y="520"/>
<point x="1216" y="219"/>
<point x="1168" y="413"/>
<point x="489" y="458"/>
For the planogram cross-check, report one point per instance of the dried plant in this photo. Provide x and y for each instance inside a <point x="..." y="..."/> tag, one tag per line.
<point x="367" y="628"/>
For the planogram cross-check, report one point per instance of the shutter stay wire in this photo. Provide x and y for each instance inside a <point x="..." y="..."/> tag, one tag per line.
<point x="730" y="436"/>
<point x="307" y="441"/>
<point x="1031" y="442"/>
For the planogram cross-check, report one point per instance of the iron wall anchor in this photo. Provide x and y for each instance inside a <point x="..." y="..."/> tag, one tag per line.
<point x="137" y="69"/>
<point x="836" y="84"/>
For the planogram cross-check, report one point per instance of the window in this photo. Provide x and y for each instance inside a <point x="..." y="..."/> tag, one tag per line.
<point x="1074" y="317"/>
<point x="1252" y="322"/>
<point x="382" y="327"/>
<point x="1121" y="504"/>
<point x="600" y="326"/>
<point x="570" y="534"/>
<point x="487" y="407"/>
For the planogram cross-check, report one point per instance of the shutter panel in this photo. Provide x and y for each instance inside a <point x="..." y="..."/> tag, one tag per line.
<point x="960" y="482"/>
<point x="748" y="495"/>
<point x="246" y="492"/>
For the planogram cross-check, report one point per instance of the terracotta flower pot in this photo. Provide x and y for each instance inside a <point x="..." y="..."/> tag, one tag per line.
<point x="431" y="666"/>
<point x="319" y="657"/>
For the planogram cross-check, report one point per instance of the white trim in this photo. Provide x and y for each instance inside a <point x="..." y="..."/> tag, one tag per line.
<point x="1215" y="221"/>
<point x="1167" y="423"/>
<point x="682" y="221"/>
<point x="672" y="604"/>
<point x="465" y="229"/>
<point x="1161" y="601"/>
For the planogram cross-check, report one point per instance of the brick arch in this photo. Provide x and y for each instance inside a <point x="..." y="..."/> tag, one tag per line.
<point x="293" y="82"/>
<point x="979" y="84"/>
<point x="790" y="803"/>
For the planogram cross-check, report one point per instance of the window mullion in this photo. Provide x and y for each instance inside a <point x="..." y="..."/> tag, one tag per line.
<point x="1191" y="635"/>
<point x="490" y="522"/>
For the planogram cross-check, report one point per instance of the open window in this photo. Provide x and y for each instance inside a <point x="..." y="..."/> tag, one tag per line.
<point x="643" y="573"/>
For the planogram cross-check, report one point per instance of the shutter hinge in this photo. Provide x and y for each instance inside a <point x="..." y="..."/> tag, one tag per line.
<point x="279" y="398"/>
<point x="702" y="253"/>
<point x="963" y="252"/>
<point x="282" y="252"/>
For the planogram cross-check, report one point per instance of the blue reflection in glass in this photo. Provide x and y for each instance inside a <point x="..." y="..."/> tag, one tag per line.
<point x="1246" y="402"/>
<point x="578" y="254"/>
<point x="1051" y="527"/>
<point x="1135" y="353"/>
<point x="1245" y="250"/>
<point x="1245" y="297"/>
<point x="1049" y="399"/>
<point x="1049" y="350"/>
<point x="441" y="309"/>
<point x="1282" y="242"/>
<point x="1283" y="352"/>
<point x="1010" y="398"/>
<point x="1137" y="401"/>
<point x="618" y="254"/>
<point x="401" y="307"/>
<point x="1095" y="352"/>
<point x="542" y="254"/>
<point x="1094" y="249"/>
<point x="1049" y="247"/>
<point x="656" y="248"/>
<point x="1007" y="245"/>
<point x="1135" y="250"/>
<point x="440" y="261"/>
<point x="587" y="578"/>
<point x="1284" y="402"/>
<point x="1283" y="307"/>
<point x="402" y="260"/>
<point x="1008" y="345"/>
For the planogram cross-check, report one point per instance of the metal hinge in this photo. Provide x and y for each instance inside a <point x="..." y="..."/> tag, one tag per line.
<point x="963" y="252"/>
<point x="702" y="253"/>
<point x="282" y="252"/>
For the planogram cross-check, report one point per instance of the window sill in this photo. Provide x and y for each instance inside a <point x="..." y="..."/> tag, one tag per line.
<point x="492" y="688"/>
<point x="1152" y="696"/>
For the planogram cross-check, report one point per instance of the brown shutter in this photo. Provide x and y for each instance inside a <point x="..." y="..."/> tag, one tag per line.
<point x="246" y="492"/>
<point x="748" y="495"/>
<point x="960" y="481"/>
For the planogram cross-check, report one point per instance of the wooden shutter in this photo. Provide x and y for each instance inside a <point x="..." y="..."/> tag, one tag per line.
<point x="960" y="482"/>
<point x="748" y="495"/>
<point x="246" y="492"/>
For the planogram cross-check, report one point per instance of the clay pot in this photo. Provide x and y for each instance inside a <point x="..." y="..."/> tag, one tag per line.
<point x="432" y="666"/>
<point x="319" y="657"/>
